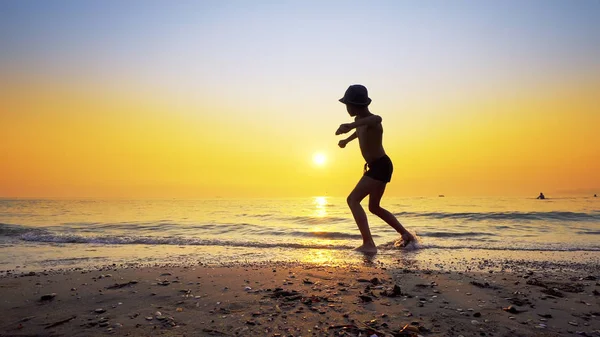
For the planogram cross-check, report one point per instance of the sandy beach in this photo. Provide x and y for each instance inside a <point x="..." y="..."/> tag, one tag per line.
<point x="301" y="300"/>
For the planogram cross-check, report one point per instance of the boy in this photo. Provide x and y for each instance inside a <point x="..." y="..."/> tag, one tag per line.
<point x="369" y="133"/>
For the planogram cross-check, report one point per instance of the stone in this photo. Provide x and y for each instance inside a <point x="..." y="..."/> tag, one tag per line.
<point x="48" y="297"/>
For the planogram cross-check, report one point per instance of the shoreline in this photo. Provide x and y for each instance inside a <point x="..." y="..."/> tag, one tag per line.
<point x="302" y="299"/>
<point x="56" y="258"/>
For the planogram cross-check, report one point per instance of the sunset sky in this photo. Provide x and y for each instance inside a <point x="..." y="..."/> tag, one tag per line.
<point x="234" y="98"/>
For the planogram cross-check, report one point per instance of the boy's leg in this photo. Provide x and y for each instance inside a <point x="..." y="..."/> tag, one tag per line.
<point x="364" y="187"/>
<point x="374" y="207"/>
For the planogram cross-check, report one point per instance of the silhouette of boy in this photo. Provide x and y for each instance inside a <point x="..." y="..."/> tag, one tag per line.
<point x="369" y="132"/>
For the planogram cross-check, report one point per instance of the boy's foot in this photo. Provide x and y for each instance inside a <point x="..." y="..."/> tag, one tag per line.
<point x="366" y="249"/>
<point x="407" y="240"/>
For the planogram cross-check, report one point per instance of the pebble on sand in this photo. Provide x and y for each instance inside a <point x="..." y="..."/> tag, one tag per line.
<point x="48" y="297"/>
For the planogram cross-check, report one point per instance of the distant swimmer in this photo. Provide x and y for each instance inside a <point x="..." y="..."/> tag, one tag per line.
<point x="541" y="196"/>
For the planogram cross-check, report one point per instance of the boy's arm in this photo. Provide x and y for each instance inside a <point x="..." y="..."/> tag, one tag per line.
<point x="352" y="137"/>
<point x="370" y="120"/>
<point x="342" y="143"/>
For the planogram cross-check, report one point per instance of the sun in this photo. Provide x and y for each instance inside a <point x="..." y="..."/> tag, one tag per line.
<point x="319" y="159"/>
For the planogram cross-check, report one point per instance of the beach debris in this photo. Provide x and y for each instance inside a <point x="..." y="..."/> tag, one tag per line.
<point x="25" y="319"/>
<point x="314" y="299"/>
<point x="513" y="310"/>
<point x="483" y="285"/>
<point x="408" y="331"/>
<point x="292" y="295"/>
<point x="52" y="325"/>
<point x="365" y="298"/>
<point x="247" y="288"/>
<point x="394" y="292"/>
<point x="149" y="318"/>
<point x="48" y="297"/>
<point x="573" y="323"/>
<point x="179" y="309"/>
<point x="167" y="321"/>
<point x="552" y="292"/>
<point x="536" y="282"/>
<point x="355" y="330"/>
<point x="215" y="332"/>
<point x="100" y="310"/>
<point x="121" y="285"/>
<point x="163" y="283"/>
<point x="518" y="301"/>
<point x="567" y="287"/>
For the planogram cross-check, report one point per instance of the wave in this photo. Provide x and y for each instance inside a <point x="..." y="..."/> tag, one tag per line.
<point x="310" y="220"/>
<point x="327" y="235"/>
<point x="420" y="245"/>
<point x="16" y="230"/>
<point x="140" y="229"/>
<point x="589" y="232"/>
<point x="182" y="241"/>
<point x="453" y="234"/>
<point x="178" y="241"/>
<point x="472" y="216"/>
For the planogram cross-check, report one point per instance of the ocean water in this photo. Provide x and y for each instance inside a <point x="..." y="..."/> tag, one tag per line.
<point x="54" y="234"/>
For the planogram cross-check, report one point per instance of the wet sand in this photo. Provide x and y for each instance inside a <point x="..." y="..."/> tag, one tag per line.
<point x="300" y="300"/>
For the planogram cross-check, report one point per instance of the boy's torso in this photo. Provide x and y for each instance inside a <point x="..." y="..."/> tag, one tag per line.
<point x="370" y="141"/>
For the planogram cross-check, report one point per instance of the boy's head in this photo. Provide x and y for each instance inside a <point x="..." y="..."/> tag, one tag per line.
<point x="356" y="99"/>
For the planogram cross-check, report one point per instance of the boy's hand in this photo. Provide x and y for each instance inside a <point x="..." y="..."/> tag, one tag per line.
<point x="342" y="143"/>
<point x="344" y="128"/>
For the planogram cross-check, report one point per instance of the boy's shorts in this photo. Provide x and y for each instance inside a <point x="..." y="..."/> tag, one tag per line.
<point x="380" y="169"/>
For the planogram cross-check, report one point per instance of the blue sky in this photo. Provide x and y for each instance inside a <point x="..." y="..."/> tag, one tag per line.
<point x="186" y="44"/>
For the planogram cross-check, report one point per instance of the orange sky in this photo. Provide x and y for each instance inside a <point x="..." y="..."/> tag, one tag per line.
<point x="128" y="145"/>
<point x="207" y="100"/>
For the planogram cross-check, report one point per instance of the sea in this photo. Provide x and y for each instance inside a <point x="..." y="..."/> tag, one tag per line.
<point x="57" y="234"/>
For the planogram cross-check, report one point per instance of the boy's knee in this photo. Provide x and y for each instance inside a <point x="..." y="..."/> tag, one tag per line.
<point x="375" y="209"/>
<point x="351" y="200"/>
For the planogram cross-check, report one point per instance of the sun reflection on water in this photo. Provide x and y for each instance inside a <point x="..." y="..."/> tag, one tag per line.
<point x="320" y="207"/>
<point x="321" y="256"/>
